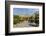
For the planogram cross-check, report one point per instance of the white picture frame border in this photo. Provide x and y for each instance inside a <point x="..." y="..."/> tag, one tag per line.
<point x="25" y="28"/>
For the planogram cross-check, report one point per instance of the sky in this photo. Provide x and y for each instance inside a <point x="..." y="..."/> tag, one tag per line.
<point x="24" y="11"/>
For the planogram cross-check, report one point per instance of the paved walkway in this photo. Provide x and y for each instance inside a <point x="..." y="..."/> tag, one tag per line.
<point x="24" y="24"/>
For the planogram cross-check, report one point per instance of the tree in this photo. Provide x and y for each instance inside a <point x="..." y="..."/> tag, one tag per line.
<point x="37" y="18"/>
<point x="16" y="19"/>
<point x="31" y="19"/>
